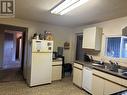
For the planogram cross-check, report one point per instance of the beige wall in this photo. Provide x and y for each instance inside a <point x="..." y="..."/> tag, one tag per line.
<point x="112" y="27"/>
<point x="61" y="34"/>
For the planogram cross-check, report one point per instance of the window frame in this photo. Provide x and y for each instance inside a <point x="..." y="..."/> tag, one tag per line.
<point x="121" y="43"/>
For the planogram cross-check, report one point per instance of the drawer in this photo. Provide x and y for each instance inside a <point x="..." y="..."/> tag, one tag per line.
<point x="56" y="73"/>
<point x="77" y="77"/>
<point x="78" y="66"/>
<point x="108" y="76"/>
<point x="57" y="63"/>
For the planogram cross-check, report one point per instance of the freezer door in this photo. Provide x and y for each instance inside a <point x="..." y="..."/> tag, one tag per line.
<point x="42" y="46"/>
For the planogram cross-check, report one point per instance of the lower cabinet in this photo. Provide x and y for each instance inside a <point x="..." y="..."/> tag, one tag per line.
<point x="123" y="88"/>
<point x="57" y="71"/>
<point x="98" y="85"/>
<point x="102" y="85"/>
<point x="110" y="87"/>
<point x="77" y="76"/>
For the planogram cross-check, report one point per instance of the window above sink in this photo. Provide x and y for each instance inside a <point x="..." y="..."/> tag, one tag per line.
<point x="116" y="47"/>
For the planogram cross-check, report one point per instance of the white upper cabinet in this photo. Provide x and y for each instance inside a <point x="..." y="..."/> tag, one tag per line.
<point x="92" y="38"/>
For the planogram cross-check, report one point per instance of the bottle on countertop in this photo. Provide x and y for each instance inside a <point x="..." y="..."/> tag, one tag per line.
<point x="41" y="36"/>
<point x="35" y="36"/>
<point x="101" y="62"/>
<point x="49" y="36"/>
<point x="91" y="58"/>
<point x="45" y="34"/>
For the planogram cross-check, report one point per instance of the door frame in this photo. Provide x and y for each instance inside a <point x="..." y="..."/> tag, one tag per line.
<point x="76" y="34"/>
<point x="80" y="34"/>
<point x="24" y="30"/>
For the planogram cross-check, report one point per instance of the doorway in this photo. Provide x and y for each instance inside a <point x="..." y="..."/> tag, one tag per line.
<point x="12" y="54"/>
<point x="13" y="47"/>
<point x="79" y="49"/>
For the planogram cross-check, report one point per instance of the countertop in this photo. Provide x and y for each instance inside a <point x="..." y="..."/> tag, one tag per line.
<point x="102" y="68"/>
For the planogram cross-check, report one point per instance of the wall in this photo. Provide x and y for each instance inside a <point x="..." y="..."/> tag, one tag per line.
<point x="112" y="27"/>
<point x="61" y="34"/>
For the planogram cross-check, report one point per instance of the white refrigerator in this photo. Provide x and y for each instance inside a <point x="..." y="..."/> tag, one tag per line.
<point x="41" y="64"/>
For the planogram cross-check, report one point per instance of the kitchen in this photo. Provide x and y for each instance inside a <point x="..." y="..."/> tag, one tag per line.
<point x="111" y="27"/>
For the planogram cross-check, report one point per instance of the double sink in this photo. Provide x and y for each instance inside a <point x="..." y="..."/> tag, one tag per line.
<point x="116" y="69"/>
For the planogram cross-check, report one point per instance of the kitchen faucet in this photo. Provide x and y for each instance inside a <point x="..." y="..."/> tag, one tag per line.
<point x="114" y="66"/>
<point x="113" y="63"/>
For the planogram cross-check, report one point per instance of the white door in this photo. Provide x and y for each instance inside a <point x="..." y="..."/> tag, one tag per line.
<point x="77" y="77"/>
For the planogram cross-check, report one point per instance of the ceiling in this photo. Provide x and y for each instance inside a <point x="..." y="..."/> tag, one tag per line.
<point x="91" y="12"/>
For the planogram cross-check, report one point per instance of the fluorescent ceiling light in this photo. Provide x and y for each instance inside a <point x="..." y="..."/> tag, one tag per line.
<point x="67" y="5"/>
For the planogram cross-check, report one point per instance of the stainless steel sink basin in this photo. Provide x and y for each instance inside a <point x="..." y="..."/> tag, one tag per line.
<point x="94" y="64"/>
<point x="120" y="71"/>
<point x="116" y="69"/>
<point x="124" y="73"/>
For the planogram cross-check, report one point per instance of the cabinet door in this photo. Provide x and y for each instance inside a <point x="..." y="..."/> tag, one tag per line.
<point x="124" y="82"/>
<point x="77" y="77"/>
<point x="123" y="88"/>
<point x="92" y="38"/>
<point x="56" y="72"/>
<point x="110" y="87"/>
<point x="97" y="85"/>
<point x="89" y="38"/>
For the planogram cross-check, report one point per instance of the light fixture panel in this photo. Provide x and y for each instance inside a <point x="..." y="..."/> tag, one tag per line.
<point x="66" y="6"/>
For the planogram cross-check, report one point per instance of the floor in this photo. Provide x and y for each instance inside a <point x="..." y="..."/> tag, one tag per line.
<point x="7" y="75"/>
<point x="64" y="87"/>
